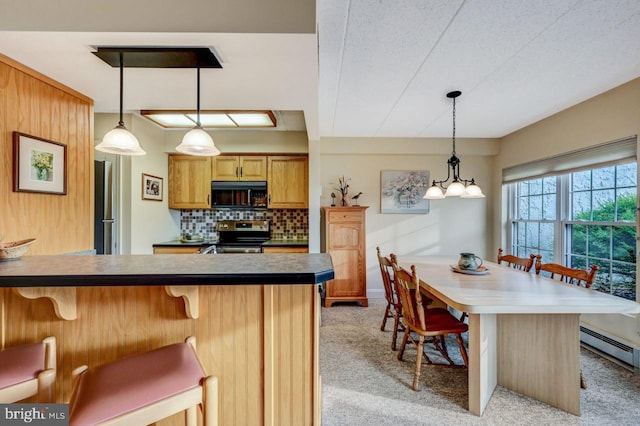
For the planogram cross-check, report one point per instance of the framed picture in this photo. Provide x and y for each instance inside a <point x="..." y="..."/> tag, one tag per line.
<point x="151" y="187"/>
<point x="39" y="165"/>
<point x="401" y="191"/>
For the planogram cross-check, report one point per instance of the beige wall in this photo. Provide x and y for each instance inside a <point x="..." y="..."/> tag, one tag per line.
<point x="610" y="116"/>
<point x="451" y="226"/>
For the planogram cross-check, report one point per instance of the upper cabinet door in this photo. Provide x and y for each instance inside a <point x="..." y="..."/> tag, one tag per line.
<point x="253" y="167"/>
<point x="288" y="182"/>
<point x="189" y="182"/>
<point x="225" y="167"/>
<point x="239" y="167"/>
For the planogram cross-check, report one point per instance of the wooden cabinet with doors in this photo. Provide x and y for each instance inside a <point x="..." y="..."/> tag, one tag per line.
<point x="288" y="182"/>
<point x="189" y="182"/>
<point x="239" y="167"/>
<point x="343" y="237"/>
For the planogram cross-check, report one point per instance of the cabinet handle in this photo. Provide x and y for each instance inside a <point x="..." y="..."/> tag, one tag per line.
<point x="209" y="199"/>
<point x="269" y="201"/>
<point x="236" y="172"/>
<point x="240" y="171"/>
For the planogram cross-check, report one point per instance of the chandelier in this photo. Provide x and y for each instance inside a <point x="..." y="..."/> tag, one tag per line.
<point x="459" y="187"/>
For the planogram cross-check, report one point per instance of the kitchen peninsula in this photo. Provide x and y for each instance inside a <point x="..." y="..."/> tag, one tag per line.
<point x="255" y="318"/>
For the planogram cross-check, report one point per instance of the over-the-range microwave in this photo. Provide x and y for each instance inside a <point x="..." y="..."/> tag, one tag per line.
<point x="239" y="194"/>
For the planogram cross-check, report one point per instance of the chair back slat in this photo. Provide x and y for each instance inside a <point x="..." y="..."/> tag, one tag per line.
<point x="563" y="273"/>
<point x="412" y="308"/>
<point x="385" y="270"/>
<point x="521" y="263"/>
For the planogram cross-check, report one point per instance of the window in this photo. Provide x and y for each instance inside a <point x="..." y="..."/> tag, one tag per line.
<point x="581" y="218"/>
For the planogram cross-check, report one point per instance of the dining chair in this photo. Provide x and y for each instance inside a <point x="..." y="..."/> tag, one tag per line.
<point x="28" y="370"/>
<point x="433" y="323"/>
<point x="394" y="304"/>
<point x="577" y="276"/>
<point x="393" y="308"/>
<point x="520" y="263"/>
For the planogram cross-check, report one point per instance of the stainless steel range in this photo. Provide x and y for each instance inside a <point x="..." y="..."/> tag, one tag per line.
<point x="242" y="236"/>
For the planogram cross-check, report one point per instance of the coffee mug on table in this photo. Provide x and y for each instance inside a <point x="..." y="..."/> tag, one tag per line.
<point x="469" y="261"/>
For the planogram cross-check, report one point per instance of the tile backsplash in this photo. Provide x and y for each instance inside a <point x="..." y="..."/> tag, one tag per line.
<point x="284" y="223"/>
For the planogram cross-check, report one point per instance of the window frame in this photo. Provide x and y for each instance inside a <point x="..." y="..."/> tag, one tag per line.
<point x="564" y="220"/>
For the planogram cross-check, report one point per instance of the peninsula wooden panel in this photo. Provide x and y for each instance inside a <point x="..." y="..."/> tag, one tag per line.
<point x="246" y="336"/>
<point x="35" y="105"/>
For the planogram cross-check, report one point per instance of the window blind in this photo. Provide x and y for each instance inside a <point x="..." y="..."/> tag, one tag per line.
<point x="595" y="156"/>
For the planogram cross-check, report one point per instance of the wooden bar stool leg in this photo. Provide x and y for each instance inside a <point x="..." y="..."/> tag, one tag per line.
<point x="210" y="401"/>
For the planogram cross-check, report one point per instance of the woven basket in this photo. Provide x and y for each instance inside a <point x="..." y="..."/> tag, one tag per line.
<point x="15" y="249"/>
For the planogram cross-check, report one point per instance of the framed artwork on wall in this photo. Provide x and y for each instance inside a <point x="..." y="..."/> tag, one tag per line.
<point x="151" y="187"/>
<point x="39" y="165"/>
<point x="401" y="191"/>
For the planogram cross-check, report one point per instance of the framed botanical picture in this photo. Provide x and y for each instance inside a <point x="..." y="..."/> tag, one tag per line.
<point x="39" y="165"/>
<point x="401" y="191"/>
<point x="151" y="187"/>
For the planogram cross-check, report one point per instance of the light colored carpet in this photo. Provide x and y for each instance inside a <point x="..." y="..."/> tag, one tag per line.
<point x="363" y="383"/>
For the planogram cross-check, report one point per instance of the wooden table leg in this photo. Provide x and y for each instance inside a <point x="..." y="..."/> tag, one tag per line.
<point x="482" y="360"/>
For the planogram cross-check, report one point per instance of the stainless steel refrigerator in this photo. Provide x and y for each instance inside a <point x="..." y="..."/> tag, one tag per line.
<point x="104" y="222"/>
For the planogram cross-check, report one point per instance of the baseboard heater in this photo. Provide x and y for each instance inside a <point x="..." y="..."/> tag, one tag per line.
<point x="627" y="354"/>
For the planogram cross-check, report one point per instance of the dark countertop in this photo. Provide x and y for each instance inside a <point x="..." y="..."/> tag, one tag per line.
<point x="180" y="243"/>
<point x="288" y="242"/>
<point x="166" y="269"/>
<point x="271" y="243"/>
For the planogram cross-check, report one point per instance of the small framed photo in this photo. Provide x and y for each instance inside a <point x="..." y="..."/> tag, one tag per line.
<point x="151" y="187"/>
<point x="401" y="191"/>
<point x="39" y="165"/>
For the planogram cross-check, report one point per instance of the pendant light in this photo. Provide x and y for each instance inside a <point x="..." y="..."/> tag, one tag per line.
<point x="464" y="188"/>
<point x="196" y="141"/>
<point x="120" y="140"/>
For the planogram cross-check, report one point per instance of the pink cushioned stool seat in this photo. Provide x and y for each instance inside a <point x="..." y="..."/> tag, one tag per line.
<point x="27" y="371"/>
<point x="126" y="385"/>
<point x="21" y="363"/>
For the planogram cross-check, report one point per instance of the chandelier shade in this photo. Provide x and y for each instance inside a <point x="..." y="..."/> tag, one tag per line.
<point x="459" y="187"/>
<point x="120" y="140"/>
<point x="197" y="141"/>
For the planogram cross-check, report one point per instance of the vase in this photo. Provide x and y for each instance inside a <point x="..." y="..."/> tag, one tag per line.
<point x="42" y="174"/>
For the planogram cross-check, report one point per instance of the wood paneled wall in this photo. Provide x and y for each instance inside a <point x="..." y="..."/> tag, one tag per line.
<point x="260" y="341"/>
<point x="36" y="105"/>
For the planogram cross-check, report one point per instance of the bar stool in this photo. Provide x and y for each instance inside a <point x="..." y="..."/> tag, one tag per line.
<point x="28" y="370"/>
<point x="145" y="388"/>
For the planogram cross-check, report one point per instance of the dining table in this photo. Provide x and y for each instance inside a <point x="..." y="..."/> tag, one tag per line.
<point x="523" y="328"/>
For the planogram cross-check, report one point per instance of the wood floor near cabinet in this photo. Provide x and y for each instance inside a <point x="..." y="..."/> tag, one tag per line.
<point x="260" y="341"/>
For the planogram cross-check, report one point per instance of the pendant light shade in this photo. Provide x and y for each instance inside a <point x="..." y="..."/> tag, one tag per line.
<point x="196" y="141"/>
<point x="459" y="187"/>
<point x="120" y="140"/>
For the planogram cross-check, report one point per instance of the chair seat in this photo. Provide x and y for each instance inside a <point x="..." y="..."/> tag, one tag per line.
<point x="440" y="321"/>
<point x="128" y="384"/>
<point x="21" y="363"/>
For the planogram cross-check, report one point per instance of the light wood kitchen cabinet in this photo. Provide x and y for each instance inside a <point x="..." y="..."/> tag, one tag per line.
<point x="288" y="182"/>
<point x="343" y="237"/>
<point x="189" y="182"/>
<point x="289" y="249"/>
<point x="176" y="250"/>
<point x="239" y="167"/>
